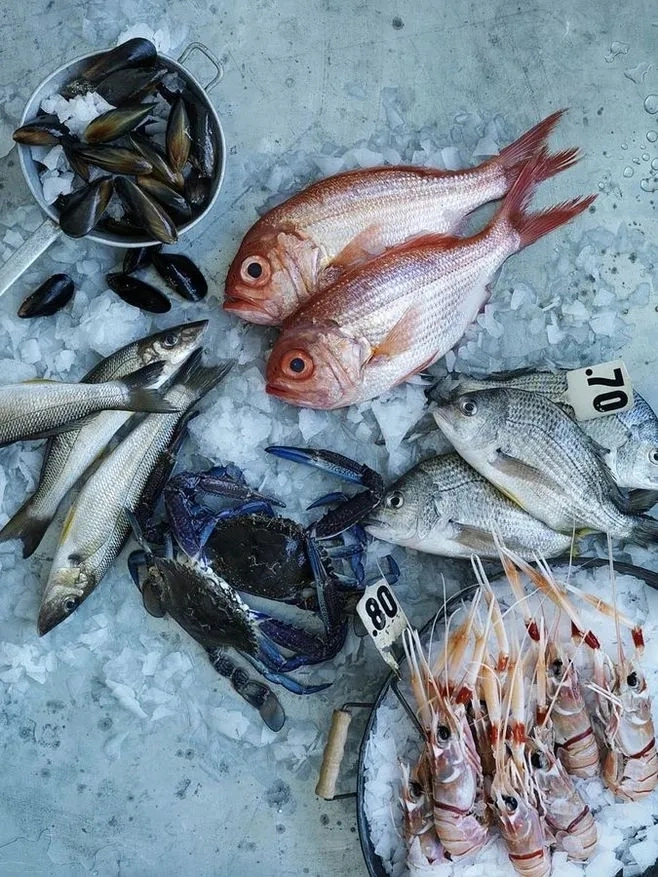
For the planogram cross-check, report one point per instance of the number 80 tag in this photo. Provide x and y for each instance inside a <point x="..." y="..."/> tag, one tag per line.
<point x="599" y="390"/>
<point x="383" y="617"/>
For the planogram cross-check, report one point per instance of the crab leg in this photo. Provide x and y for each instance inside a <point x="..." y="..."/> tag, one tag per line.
<point x="309" y="648"/>
<point x="256" y="694"/>
<point x="355" y="509"/>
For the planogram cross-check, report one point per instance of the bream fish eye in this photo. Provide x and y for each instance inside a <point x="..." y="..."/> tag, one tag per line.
<point x="468" y="407"/>
<point x="394" y="500"/>
<point x="297" y="364"/>
<point x="653" y="455"/>
<point x="170" y="339"/>
<point x="70" y="604"/>
<point x="255" y="270"/>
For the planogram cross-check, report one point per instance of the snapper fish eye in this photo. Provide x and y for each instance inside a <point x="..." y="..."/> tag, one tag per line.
<point x="297" y="364"/>
<point x="255" y="270"/>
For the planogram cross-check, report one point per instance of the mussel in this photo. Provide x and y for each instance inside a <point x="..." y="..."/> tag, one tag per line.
<point x="181" y="275"/>
<point x="136" y="258"/>
<point x="197" y="190"/>
<point x="130" y="86"/>
<point x="114" y="123"/>
<point x="52" y="295"/>
<point x="84" y="208"/>
<point x="154" y="218"/>
<point x="45" y="130"/>
<point x="178" y="135"/>
<point x="116" y="159"/>
<point x="168" y="197"/>
<point x="80" y="167"/>
<point x="137" y="52"/>
<point x="204" y="144"/>
<point x="160" y="168"/>
<point x="138" y="294"/>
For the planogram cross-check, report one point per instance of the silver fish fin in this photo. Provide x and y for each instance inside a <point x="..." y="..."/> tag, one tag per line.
<point x="640" y="500"/>
<point x="25" y="527"/>
<point x="474" y="539"/>
<point x="140" y="399"/>
<point x="507" y="465"/>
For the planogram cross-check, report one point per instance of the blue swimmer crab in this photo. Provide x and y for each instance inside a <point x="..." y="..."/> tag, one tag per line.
<point x="212" y="555"/>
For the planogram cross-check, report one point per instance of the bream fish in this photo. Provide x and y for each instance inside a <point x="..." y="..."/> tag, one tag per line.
<point x="69" y="454"/>
<point x="40" y="408"/>
<point x="97" y="526"/>
<point x="396" y="315"/>
<point x="628" y="439"/>
<point x="443" y="506"/>
<point x="305" y="243"/>
<point x="534" y="453"/>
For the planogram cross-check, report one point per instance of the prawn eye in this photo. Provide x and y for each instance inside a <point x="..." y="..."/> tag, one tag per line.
<point x="443" y="732"/>
<point x="170" y="339"/>
<point x="70" y="604"/>
<point x="556" y="667"/>
<point x="255" y="270"/>
<point x="653" y="455"/>
<point x="510" y="803"/>
<point x="536" y="760"/>
<point x="394" y="500"/>
<point x="631" y="680"/>
<point x="298" y="364"/>
<point x="468" y="407"/>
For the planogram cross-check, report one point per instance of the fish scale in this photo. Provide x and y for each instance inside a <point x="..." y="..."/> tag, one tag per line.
<point x="532" y="451"/>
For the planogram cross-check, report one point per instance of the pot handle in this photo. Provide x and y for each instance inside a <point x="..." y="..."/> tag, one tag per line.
<point x="334" y="751"/>
<point x="216" y="63"/>
<point x="28" y="252"/>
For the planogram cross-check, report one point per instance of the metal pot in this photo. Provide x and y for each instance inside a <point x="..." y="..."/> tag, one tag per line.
<point x="373" y="862"/>
<point x="49" y="230"/>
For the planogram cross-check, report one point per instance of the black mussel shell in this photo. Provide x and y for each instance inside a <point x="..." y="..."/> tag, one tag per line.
<point x="78" y="166"/>
<point x="181" y="275"/>
<point x="124" y="228"/>
<point x="130" y="86"/>
<point x="115" y="159"/>
<point x="160" y="168"/>
<point x="197" y="190"/>
<point x="42" y="131"/>
<point x="52" y="295"/>
<point x="137" y="52"/>
<point x="178" y="137"/>
<point x="114" y="123"/>
<point x="168" y="197"/>
<point x="83" y="212"/>
<point x="203" y="154"/>
<point x="138" y="294"/>
<point x="154" y="218"/>
<point x="136" y="258"/>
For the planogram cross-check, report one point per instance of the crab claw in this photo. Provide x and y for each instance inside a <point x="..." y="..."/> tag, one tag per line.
<point x="279" y="678"/>
<point x="354" y="509"/>
<point x="256" y="694"/>
<point x="309" y="648"/>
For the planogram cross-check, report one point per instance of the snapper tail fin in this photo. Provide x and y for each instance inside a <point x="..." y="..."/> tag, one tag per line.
<point x="532" y="226"/>
<point x="517" y="154"/>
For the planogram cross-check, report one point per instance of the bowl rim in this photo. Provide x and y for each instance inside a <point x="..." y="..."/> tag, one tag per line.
<point x="27" y="163"/>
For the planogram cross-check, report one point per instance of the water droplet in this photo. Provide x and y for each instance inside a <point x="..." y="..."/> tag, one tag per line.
<point x="628" y="171"/>
<point x="654" y="164"/>
<point x="652" y="136"/>
<point x="637" y="74"/>
<point x="624" y="146"/>
<point x="645" y="156"/>
<point x="636" y="161"/>
<point x="651" y="103"/>
<point x="650" y="184"/>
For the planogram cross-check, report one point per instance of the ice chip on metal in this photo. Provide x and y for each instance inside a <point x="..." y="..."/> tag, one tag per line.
<point x="383" y="617"/>
<point x="599" y="390"/>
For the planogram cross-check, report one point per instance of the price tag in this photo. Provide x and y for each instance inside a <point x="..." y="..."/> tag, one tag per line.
<point x="598" y="390"/>
<point x="383" y="617"/>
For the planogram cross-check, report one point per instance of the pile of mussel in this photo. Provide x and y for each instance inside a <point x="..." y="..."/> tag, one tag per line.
<point x="153" y="187"/>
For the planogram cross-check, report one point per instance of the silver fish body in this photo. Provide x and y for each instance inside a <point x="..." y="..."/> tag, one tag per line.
<point x="96" y="526"/>
<point x="36" y="409"/>
<point x="534" y="453"/>
<point x="69" y="454"/>
<point x="443" y="506"/>
<point x="629" y="440"/>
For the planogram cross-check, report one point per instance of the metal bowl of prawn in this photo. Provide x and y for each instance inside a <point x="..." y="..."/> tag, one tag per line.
<point x="396" y="692"/>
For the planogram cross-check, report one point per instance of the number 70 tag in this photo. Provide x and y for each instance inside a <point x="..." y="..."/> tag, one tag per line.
<point x="383" y="618"/>
<point x="599" y="390"/>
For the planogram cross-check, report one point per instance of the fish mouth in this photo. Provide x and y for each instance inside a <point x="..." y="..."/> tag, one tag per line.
<point x="286" y="395"/>
<point x="49" y="617"/>
<point x="253" y="312"/>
